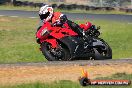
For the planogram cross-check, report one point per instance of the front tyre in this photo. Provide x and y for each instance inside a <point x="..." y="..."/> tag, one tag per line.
<point x="55" y="54"/>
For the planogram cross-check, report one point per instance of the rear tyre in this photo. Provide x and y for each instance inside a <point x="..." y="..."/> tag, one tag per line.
<point x="103" y="53"/>
<point x="55" y="54"/>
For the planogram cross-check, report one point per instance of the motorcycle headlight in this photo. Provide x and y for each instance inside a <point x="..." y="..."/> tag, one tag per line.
<point x="44" y="32"/>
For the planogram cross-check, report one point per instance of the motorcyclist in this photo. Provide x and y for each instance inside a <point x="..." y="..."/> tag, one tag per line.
<point x="47" y="14"/>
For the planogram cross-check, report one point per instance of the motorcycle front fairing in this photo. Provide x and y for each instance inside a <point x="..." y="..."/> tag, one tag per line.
<point x="66" y="35"/>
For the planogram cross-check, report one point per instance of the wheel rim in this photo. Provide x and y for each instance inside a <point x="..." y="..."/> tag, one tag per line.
<point x="57" y="53"/>
<point x="102" y="51"/>
<point x="105" y="52"/>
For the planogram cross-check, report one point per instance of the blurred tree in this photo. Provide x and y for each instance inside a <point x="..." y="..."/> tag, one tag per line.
<point x="111" y="3"/>
<point x="4" y="1"/>
<point x="115" y="3"/>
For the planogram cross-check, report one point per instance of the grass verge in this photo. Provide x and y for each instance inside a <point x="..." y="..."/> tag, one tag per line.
<point x="28" y="8"/>
<point x="70" y="84"/>
<point x="18" y="44"/>
<point x="17" y="36"/>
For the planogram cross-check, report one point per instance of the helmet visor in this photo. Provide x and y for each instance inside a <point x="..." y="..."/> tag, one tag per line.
<point x="44" y="16"/>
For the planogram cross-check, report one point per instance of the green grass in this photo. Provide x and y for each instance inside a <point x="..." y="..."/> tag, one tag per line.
<point x="70" y="84"/>
<point x="17" y="41"/>
<point x="18" y="44"/>
<point x="28" y="8"/>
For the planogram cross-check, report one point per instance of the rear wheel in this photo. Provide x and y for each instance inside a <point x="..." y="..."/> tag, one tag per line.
<point x="103" y="52"/>
<point x="55" y="54"/>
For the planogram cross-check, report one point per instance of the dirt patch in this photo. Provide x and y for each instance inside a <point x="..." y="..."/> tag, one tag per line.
<point x="27" y="74"/>
<point x="4" y="20"/>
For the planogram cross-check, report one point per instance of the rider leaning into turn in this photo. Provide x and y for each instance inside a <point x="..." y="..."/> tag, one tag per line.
<point x="47" y="14"/>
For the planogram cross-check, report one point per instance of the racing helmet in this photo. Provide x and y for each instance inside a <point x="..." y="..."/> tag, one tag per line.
<point x="46" y="13"/>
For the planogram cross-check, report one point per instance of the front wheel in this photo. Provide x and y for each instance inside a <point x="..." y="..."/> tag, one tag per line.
<point x="55" y="54"/>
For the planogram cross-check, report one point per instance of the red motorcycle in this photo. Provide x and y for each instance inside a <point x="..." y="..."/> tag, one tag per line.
<point x="62" y="43"/>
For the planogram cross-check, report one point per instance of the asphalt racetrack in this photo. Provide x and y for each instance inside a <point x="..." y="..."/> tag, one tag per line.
<point x="71" y="63"/>
<point x="72" y="16"/>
